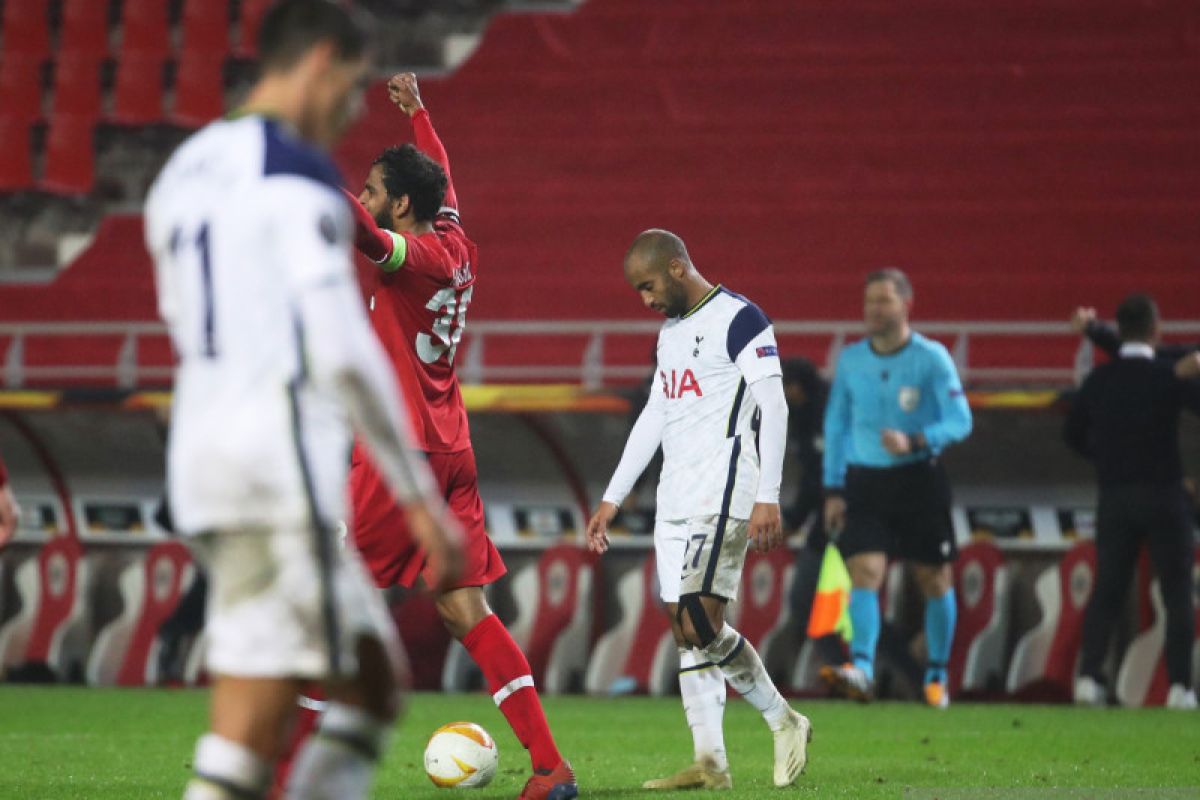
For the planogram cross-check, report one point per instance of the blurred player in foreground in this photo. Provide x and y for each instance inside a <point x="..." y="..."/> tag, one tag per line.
<point x="251" y="241"/>
<point x="407" y="222"/>
<point x="896" y="404"/>
<point x="718" y="404"/>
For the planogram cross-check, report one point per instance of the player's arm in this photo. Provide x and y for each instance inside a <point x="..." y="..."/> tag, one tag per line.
<point x="833" y="464"/>
<point x="371" y="240"/>
<point x="750" y="344"/>
<point x="10" y="512"/>
<point x="644" y="440"/>
<point x="404" y="92"/>
<point x="954" y="421"/>
<point x="343" y="355"/>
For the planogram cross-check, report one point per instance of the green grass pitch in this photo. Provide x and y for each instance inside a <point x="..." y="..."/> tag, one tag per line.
<point x="96" y="744"/>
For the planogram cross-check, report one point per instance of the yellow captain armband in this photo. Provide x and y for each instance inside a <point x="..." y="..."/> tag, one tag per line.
<point x="399" y="253"/>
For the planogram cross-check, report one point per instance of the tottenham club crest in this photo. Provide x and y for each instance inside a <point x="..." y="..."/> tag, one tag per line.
<point x="696" y="352"/>
<point x="909" y="397"/>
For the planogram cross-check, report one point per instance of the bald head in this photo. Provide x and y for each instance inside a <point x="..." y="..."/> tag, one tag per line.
<point x="657" y="265"/>
<point x="655" y="249"/>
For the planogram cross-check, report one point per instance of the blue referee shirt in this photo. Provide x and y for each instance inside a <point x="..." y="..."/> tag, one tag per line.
<point x="914" y="390"/>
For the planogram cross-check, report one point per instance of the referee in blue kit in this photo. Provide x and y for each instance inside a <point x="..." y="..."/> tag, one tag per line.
<point x="895" y="405"/>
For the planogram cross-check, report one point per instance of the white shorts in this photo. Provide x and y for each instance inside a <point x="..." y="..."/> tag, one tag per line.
<point x="702" y="555"/>
<point x="283" y="604"/>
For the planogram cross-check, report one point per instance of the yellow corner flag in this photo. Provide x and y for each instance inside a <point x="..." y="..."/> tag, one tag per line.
<point x="831" y="605"/>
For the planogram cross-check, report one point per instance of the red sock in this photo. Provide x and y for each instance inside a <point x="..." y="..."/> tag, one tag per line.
<point x="306" y="723"/>
<point x="509" y="679"/>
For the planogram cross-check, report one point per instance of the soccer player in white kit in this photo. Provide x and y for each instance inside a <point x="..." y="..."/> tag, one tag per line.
<point x="718" y="410"/>
<point x="251" y="240"/>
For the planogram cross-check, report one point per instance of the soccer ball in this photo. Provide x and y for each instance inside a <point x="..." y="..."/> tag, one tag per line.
<point x="461" y="755"/>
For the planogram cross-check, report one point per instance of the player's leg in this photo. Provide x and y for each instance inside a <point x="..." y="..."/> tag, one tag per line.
<point x="864" y="544"/>
<point x="1117" y="545"/>
<point x="709" y="580"/>
<point x="701" y="683"/>
<point x="364" y="694"/>
<point x="248" y="719"/>
<point x="1172" y="551"/>
<point x="941" y="613"/>
<point x="465" y="612"/>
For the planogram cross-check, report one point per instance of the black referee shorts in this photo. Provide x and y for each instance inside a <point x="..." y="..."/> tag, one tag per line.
<point x="901" y="511"/>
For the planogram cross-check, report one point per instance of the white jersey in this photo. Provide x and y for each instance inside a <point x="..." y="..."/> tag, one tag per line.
<point x="246" y="225"/>
<point x="706" y="360"/>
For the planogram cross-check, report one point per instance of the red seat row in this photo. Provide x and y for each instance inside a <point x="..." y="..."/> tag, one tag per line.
<point x="144" y="27"/>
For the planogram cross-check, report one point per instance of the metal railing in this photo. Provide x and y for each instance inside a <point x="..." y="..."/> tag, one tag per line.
<point x="590" y="370"/>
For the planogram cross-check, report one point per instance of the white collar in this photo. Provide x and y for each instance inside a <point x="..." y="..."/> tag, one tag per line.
<point x="1136" y="350"/>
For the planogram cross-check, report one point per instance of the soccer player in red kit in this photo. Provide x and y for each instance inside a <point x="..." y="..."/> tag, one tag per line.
<point x="407" y="223"/>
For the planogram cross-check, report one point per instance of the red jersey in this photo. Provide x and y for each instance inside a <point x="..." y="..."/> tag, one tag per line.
<point x="419" y="310"/>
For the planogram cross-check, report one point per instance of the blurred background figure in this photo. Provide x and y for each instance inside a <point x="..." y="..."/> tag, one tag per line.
<point x="1126" y="421"/>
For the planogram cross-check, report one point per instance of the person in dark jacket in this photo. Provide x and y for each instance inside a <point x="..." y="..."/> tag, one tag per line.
<point x="1126" y="421"/>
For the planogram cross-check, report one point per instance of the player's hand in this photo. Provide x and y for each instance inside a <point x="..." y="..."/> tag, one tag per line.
<point x="835" y="515"/>
<point x="597" y="529"/>
<point x="10" y="515"/>
<point x="766" y="526"/>
<point x="1188" y="367"/>
<point x="1080" y="318"/>
<point x="442" y="540"/>
<point x="403" y="91"/>
<point x="898" y="443"/>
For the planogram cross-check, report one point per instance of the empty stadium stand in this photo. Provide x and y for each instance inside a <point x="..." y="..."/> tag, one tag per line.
<point x="1015" y="160"/>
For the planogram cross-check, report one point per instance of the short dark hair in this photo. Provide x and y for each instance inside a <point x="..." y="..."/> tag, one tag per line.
<point x="896" y="277"/>
<point x="408" y="171"/>
<point x="1137" y="317"/>
<point x="293" y="27"/>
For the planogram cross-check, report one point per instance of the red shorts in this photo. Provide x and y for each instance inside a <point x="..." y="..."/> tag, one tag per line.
<point x="380" y="530"/>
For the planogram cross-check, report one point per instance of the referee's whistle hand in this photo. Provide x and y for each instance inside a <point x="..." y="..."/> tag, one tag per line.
<point x="896" y="442"/>
<point x="597" y="529"/>
<point x="766" y="526"/>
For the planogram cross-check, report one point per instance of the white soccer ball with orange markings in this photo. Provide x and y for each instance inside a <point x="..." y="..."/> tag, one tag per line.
<point x="461" y="755"/>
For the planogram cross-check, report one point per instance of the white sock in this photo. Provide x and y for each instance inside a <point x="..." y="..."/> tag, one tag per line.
<point x="702" y="687"/>
<point x="338" y="761"/>
<point x="226" y="770"/>
<point x="744" y="670"/>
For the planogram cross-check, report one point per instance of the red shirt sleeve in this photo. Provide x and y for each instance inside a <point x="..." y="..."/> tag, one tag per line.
<point x="371" y="240"/>
<point x="428" y="142"/>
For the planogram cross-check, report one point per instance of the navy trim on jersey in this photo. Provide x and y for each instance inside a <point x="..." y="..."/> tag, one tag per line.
<point x="286" y="155"/>
<point x="320" y="537"/>
<point x="719" y="537"/>
<point x="713" y="292"/>
<point x="748" y="323"/>
<point x="737" y="406"/>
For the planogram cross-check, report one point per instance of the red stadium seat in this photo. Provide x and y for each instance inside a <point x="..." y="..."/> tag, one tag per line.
<point x="21" y="86"/>
<point x="251" y="17"/>
<point x="77" y="85"/>
<point x="138" y="96"/>
<point x="16" y="157"/>
<point x="199" y="90"/>
<point x="26" y="28"/>
<point x="1043" y="664"/>
<point x="640" y="650"/>
<point x="206" y="27"/>
<point x="53" y="590"/>
<point x="70" y="156"/>
<point x="84" y="28"/>
<point x="980" y="636"/>
<point x="145" y="27"/>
